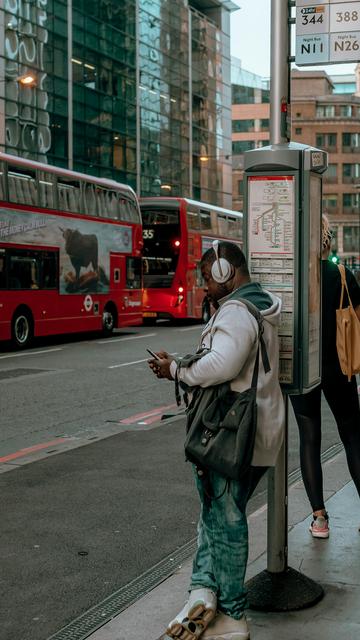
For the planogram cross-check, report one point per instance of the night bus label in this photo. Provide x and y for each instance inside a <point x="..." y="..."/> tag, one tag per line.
<point x="84" y="245"/>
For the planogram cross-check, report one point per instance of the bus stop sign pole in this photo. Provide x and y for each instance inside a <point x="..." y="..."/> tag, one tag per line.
<point x="279" y="587"/>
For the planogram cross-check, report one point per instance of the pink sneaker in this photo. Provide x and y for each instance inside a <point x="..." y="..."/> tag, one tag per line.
<point x="319" y="527"/>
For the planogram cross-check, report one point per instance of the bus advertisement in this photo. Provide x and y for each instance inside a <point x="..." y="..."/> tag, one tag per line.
<point x="70" y="252"/>
<point x="176" y="232"/>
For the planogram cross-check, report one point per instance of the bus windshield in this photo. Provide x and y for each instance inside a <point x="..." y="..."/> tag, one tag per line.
<point x="161" y="233"/>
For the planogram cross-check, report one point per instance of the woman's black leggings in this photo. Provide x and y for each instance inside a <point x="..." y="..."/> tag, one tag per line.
<point x="343" y="400"/>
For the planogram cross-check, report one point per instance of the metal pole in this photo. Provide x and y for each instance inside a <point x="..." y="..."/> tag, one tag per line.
<point x="277" y="522"/>
<point x="279" y="60"/>
<point x="279" y="99"/>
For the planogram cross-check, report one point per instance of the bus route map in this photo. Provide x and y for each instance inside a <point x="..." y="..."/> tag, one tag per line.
<point x="271" y="251"/>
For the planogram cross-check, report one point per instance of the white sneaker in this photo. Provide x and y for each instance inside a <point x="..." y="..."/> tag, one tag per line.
<point x="226" y="628"/>
<point x="195" y="616"/>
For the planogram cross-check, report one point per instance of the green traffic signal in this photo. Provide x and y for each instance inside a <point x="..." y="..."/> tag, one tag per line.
<point x="334" y="258"/>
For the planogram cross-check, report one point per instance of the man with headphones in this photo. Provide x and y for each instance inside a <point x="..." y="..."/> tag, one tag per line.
<point x="217" y="599"/>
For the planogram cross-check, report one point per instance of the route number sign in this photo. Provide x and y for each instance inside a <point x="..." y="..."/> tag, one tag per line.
<point x="327" y="32"/>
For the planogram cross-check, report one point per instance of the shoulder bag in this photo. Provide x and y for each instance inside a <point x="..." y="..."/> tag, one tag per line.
<point x="347" y="332"/>
<point x="221" y="423"/>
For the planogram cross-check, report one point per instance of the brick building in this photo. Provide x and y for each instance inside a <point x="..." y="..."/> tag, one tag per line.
<point x="329" y="120"/>
<point x="326" y="114"/>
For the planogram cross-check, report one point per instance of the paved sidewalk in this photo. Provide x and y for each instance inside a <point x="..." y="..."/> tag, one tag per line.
<point x="334" y="563"/>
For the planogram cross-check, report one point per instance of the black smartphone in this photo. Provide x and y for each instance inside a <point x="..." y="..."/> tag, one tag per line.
<point x="153" y="354"/>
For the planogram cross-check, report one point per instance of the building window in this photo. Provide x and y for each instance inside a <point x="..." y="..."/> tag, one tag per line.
<point x="331" y="173"/>
<point x="351" y="239"/>
<point x="240" y="187"/>
<point x="351" y="172"/>
<point x="330" y="202"/>
<point x="298" y="114"/>
<point x="265" y="124"/>
<point x="242" y="95"/>
<point x="325" y="111"/>
<point x="239" y="126"/>
<point x="298" y="131"/>
<point x="326" y="140"/>
<point x="350" y="141"/>
<point x="239" y="146"/>
<point x="351" y="201"/>
<point x="345" y="110"/>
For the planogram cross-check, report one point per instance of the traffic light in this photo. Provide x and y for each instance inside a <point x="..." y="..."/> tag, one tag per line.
<point x="334" y="257"/>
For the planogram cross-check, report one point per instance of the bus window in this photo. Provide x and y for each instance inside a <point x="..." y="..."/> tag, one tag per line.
<point x="22" y="186"/>
<point x="47" y="190"/>
<point x="90" y="199"/>
<point x="133" y="273"/>
<point x="2" y="182"/>
<point x="24" y="270"/>
<point x="49" y="270"/>
<point x="193" y="220"/>
<point x="205" y="220"/>
<point x="128" y="211"/>
<point x="69" y="195"/>
<point x="102" y="202"/>
<point x="222" y="226"/>
<point x="161" y="230"/>
<point x="234" y="227"/>
<point x="2" y="270"/>
<point x="112" y="205"/>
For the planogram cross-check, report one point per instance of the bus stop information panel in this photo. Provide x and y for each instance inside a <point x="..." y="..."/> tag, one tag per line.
<point x="283" y="204"/>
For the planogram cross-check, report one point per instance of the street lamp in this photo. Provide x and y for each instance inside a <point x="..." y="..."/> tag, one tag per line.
<point x="207" y="158"/>
<point x="26" y="79"/>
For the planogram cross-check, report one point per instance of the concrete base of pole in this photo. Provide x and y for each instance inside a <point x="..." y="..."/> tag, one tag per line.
<point x="288" y="590"/>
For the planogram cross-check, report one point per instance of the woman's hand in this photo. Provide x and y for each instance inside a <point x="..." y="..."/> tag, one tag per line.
<point x="161" y="366"/>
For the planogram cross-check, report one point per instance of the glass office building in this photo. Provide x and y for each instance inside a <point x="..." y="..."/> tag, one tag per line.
<point x="134" y="90"/>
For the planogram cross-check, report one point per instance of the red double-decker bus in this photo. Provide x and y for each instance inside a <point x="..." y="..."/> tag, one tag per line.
<point x="176" y="233"/>
<point x="70" y="252"/>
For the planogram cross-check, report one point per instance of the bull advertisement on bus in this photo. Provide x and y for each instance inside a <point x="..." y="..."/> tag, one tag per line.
<point x="84" y="246"/>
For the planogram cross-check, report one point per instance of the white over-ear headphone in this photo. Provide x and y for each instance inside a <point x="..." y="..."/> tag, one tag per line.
<point x="221" y="270"/>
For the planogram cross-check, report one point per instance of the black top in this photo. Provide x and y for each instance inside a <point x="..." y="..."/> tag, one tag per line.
<point x="331" y="291"/>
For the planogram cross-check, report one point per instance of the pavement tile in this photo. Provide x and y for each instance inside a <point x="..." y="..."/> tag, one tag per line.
<point x="334" y="563"/>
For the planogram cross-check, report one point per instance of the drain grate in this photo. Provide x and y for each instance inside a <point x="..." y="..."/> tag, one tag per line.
<point x="96" y="617"/>
<point x="15" y="373"/>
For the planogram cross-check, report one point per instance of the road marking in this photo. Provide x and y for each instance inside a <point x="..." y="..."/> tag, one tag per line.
<point x="127" y="364"/>
<point x="192" y="328"/>
<point x="24" y="452"/>
<point x="145" y="335"/>
<point x="151" y="415"/>
<point x="30" y="353"/>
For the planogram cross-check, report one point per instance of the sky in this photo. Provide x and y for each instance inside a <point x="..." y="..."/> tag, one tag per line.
<point x="250" y="39"/>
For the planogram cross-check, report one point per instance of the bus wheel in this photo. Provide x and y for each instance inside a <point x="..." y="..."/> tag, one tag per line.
<point x="22" y="329"/>
<point x="108" y="321"/>
<point x="205" y="315"/>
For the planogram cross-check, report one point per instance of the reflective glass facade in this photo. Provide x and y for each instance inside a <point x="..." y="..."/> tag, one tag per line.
<point x="137" y="90"/>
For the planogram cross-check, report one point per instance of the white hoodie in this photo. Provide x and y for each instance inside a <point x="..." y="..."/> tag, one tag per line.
<point x="231" y="334"/>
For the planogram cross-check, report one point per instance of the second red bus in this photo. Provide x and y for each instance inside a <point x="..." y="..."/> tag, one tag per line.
<point x="176" y="232"/>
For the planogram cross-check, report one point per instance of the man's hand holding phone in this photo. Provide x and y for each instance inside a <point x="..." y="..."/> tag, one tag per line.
<point x="160" y="363"/>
